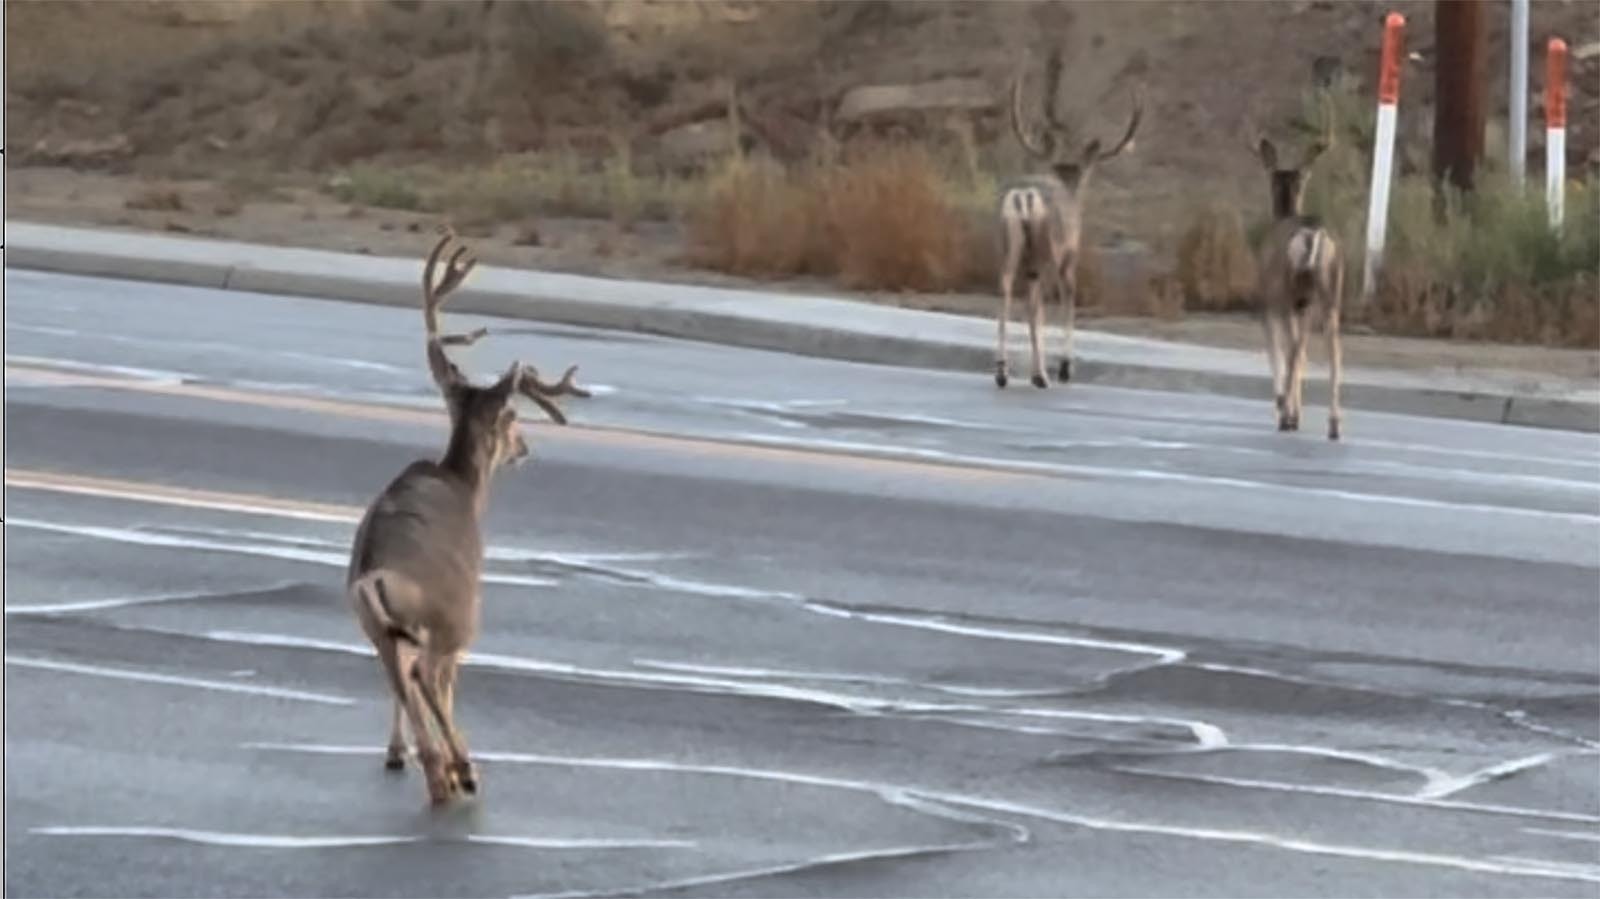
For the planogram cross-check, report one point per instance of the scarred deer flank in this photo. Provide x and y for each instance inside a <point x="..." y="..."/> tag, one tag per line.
<point x="1041" y="221"/>
<point x="1301" y="270"/>
<point x="415" y="563"/>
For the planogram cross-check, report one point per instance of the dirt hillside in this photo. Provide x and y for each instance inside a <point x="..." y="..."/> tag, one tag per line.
<point x="200" y="88"/>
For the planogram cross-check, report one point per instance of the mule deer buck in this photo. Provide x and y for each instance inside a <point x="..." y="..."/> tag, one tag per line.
<point x="415" y="562"/>
<point x="1301" y="271"/>
<point x="1041" y="220"/>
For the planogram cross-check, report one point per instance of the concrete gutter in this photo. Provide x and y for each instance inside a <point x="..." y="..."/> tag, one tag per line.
<point x="814" y="326"/>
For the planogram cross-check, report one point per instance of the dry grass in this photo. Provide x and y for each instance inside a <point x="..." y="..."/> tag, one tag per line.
<point x="1483" y="266"/>
<point x="886" y="220"/>
<point x="1216" y="271"/>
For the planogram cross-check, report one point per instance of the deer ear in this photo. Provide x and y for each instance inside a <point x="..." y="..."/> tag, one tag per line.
<point x="1268" y="154"/>
<point x="508" y="381"/>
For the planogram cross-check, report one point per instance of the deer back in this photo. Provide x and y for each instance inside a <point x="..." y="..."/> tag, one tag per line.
<point x="424" y="527"/>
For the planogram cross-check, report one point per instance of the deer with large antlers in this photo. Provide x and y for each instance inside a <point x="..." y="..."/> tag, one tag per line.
<point x="415" y="562"/>
<point x="1301" y="271"/>
<point x="1041" y="220"/>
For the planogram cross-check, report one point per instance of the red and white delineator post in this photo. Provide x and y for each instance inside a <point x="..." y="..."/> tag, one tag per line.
<point x="1555" y="129"/>
<point x="1383" y="150"/>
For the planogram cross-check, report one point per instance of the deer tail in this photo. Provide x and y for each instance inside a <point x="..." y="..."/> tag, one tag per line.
<point x="380" y="594"/>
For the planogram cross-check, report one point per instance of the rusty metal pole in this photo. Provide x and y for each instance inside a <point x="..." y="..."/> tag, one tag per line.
<point x="1460" y="39"/>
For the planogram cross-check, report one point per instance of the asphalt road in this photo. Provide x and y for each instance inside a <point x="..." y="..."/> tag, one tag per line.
<point x="760" y="625"/>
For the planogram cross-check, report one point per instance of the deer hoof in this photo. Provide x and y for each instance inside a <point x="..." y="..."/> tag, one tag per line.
<point x="1333" y="429"/>
<point x="1040" y="382"/>
<point x="396" y="761"/>
<point x="1000" y="378"/>
<point x="464" y="778"/>
<point x="1065" y="374"/>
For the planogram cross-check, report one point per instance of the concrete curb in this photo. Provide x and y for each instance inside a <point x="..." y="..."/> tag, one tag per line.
<point x="876" y="335"/>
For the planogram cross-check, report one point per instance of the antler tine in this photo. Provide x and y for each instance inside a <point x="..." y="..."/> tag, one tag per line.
<point x="1032" y="146"/>
<point x="529" y="385"/>
<point x="563" y="387"/>
<point x="1133" y="126"/>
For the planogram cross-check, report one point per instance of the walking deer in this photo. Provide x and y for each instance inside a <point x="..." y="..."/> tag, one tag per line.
<point x="1041" y="220"/>
<point x="415" y="562"/>
<point x="1301" y="270"/>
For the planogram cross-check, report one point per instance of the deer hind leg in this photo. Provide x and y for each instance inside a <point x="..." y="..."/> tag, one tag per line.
<point x="427" y="676"/>
<point x="398" y="656"/>
<point x="395" y="759"/>
<point x="398" y="648"/>
<point x="1036" y="330"/>
<point x="1299" y="336"/>
<point x="1335" y="372"/>
<point x="1067" y="295"/>
<point x="1015" y="240"/>
<point x="466" y="772"/>
<point x="1272" y="324"/>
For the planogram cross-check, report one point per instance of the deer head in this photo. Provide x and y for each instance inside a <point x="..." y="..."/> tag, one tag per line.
<point x="1288" y="185"/>
<point x="1050" y="140"/>
<point x="483" y="422"/>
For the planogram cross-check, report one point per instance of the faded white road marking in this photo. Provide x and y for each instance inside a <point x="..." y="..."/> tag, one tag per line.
<point x="151" y="677"/>
<point x="117" y="602"/>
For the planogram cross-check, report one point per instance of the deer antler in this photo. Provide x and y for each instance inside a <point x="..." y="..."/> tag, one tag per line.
<point x="1133" y="128"/>
<point x="530" y="386"/>
<point x="434" y="291"/>
<point x="1041" y="146"/>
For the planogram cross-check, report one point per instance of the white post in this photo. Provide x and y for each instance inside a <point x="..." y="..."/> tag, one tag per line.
<point x="1517" y="133"/>
<point x="1383" y="151"/>
<point x="1555" y="134"/>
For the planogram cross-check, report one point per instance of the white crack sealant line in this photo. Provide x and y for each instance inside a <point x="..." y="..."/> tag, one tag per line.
<point x="239" y="840"/>
<point x="1154" y="474"/>
<point x="1448" y="786"/>
<point x="280" y="841"/>
<point x="892" y="794"/>
<point x="1167" y="655"/>
<point x="1000" y="807"/>
<point x="1353" y="793"/>
<point x="1578" y="870"/>
<point x="1586" y="836"/>
<point x="117" y="602"/>
<point x="844" y="677"/>
<point x="1205" y="735"/>
<point x="273" y="550"/>
<point x="1430" y="776"/>
<point x="578" y="842"/>
<point x="1503" y="867"/>
<point x="151" y="677"/>
<point x="638" y="679"/>
<point x="808" y="864"/>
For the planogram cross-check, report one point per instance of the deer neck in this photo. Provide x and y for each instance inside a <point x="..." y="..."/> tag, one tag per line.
<point x="470" y="461"/>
